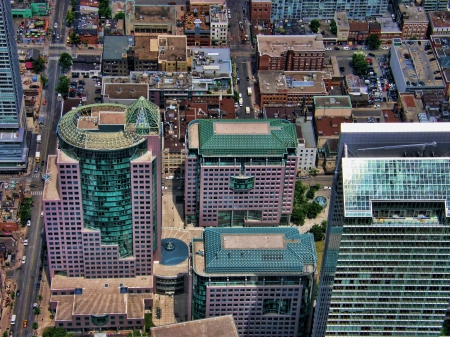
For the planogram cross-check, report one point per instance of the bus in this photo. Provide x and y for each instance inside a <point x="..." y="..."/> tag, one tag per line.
<point x="249" y="91"/>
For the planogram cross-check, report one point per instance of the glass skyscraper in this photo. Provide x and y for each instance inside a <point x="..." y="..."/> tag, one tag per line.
<point x="386" y="266"/>
<point x="13" y="148"/>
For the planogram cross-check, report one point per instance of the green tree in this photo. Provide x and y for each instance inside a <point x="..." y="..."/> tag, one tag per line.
<point x="313" y="210"/>
<point x="323" y="225"/>
<point x="5" y="334"/>
<point x="333" y="27"/>
<point x="65" y="60"/>
<point x="313" y="171"/>
<point x="37" y="311"/>
<point x="73" y="3"/>
<point x="54" y="332"/>
<point x="40" y="298"/>
<point x="120" y="15"/>
<point x="70" y="17"/>
<point x="74" y="38"/>
<point x="316" y="230"/>
<point x="35" y="326"/>
<point x="38" y="65"/>
<point x="310" y="193"/>
<point x="63" y="85"/>
<point x="43" y="79"/>
<point x="315" y="25"/>
<point x="298" y="215"/>
<point x="104" y="9"/>
<point x="373" y="41"/>
<point x="359" y="63"/>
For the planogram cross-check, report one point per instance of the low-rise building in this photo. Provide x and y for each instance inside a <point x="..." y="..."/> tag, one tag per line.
<point x="358" y="32"/>
<point x="413" y="69"/>
<point x="87" y="64"/>
<point x="117" y="58"/>
<point x="218" y="17"/>
<point x="81" y="304"/>
<point x="329" y="113"/>
<point x="343" y="27"/>
<point x="291" y="87"/>
<point x="389" y="29"/>
<point x="144" y="19"/>
<point x="439" y="23"/>
<point x="264" y="277"/>
<point x="375" y="28"/>
<point x="260" y="10"/>
<point x="414" y="22"/>
<point x="290" y="52"/>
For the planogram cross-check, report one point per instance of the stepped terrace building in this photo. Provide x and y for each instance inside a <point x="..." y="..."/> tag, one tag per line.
<point x="240" y="173"/>
<point x="101" y="201"/>
<point x="264" y="277"/>
<point x="386" y="266"/>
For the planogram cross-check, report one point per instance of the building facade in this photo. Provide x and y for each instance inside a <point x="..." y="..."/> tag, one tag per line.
<point x="240" y="173"/>
<point x="414" y="22"/>
<point x="311" y="9"/>
<point x="260" y="10"/>
<point x="13" y="143"/>
<point x="290" y="52"/>
<point x="264" y="277"/>
<point x="102" y="197"/>
<point x="386" y="259"/>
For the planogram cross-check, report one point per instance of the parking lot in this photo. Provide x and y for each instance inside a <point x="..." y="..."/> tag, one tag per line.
<point x="89" y="89"/>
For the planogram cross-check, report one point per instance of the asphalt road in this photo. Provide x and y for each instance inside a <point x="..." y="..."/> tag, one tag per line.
<point x="26" y="275"/>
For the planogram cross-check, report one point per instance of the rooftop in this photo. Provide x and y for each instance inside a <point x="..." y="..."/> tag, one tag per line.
<point x="275" y="45"/>
<point x="255" y="250"/>
<point x="417" y="66"/>
<point x="222" y="326"/>
<point x="270" y="137"/>
<point x="151" y="13"/>
<point x="80" y="127"/>
<point x="358" y="26"/>
<point x="99" y="296"/>
<point x="116" y="47"/>
<point x="307" y="133"/>
<point x="412" y="14"/>
<point x="342" y="20"/>
<point x="213" y="61"/>
<point x="332" y="102"/>
<point x="145" y="48"/>
<point x="125" y="90"/>
<point x="330" y="126"/>
<point x="439" y="19"/>
<point x="172" y="48"/>
<point x="388" y="26"/>
<point x="295" y="82"/>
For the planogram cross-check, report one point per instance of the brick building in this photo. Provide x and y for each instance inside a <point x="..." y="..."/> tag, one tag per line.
<point x="439" y="23"/>
<point x="260" y="10"/>
<point x="290" y="52"/>
<point x="358" y="32"/>
<point x="414" y="22"/>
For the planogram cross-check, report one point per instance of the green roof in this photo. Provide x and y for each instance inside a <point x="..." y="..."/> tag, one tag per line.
<point x="252" y="137"/>
<point x="258" y="250"/>
<point x="396" y="179"/>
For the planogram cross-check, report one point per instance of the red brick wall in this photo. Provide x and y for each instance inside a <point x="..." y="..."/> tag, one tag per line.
<point x="260" y="10"/>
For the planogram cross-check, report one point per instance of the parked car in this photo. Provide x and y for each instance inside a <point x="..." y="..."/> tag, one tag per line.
<point x="372" y="54"/>
<point x="346" y="48"/>
<point x="29" y="223"/>
<point x="25" y="242"/>
<point x="24" y="259"/>
<point x="34" y="185"/>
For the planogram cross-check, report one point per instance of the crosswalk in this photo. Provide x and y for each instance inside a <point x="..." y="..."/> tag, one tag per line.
<point x="36" y="192"/>
<point x="57" y="45"/>
<point x="55" y="58"/>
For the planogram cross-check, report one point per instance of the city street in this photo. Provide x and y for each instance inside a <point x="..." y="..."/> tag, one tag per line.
<point x="26" y="276"/>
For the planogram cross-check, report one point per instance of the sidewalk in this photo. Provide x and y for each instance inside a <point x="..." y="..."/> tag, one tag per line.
<point x="7" y="311"/>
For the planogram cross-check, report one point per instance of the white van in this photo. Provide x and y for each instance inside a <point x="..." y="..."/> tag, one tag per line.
<point x="240" y="95"/>
<point x="241" y="101"/>
<point x="13" y="319"/>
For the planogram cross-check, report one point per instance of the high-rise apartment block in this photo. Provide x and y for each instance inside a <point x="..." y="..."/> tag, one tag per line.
<point x="101" y="202"/>
<point x="240" y="173"/>
<point x="290" y="52"/>
<point x="13" y="130"/>
<point x="264" y="277"/>
<point x="386" y="268"/>
<point x="312" y="9"/>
